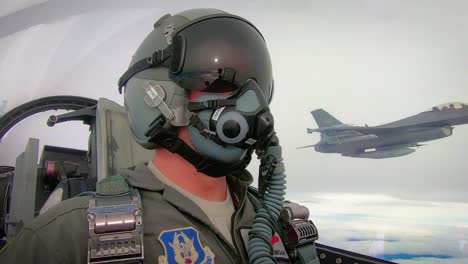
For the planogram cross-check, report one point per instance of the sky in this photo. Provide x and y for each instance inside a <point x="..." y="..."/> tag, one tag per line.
<point x="364" y="61"/>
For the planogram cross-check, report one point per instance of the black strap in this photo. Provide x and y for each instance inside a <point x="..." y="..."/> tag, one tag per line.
<point x="180" y="147"/>
<point x="212" y="137"/>
<point x="195" y="120"/>
<point x="206" y="165"/>
<point x="157" y="58"/>
<point x="164" y="135"/>
<point x="210" y="104"/>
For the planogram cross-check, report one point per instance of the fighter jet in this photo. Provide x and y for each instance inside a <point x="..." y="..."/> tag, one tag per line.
<point x="390" y="140"/>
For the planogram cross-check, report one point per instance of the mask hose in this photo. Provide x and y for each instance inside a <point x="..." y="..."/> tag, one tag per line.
<point x="272" y="185"/>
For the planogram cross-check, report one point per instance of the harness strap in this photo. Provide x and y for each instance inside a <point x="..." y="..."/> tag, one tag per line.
<point x="210" y="104"/>
<point x="307" y="254"/>
<point x="115" y="223"/>
<point x="211" y="135"/>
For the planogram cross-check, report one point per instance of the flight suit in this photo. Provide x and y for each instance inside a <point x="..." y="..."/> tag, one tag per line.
<point x="170" y="219"/>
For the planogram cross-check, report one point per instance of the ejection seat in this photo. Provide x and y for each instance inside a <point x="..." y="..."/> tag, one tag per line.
<point x="111" y="147"/>
<point x="115" y="147"/>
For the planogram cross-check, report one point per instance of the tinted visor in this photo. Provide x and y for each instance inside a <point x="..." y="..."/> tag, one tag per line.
<point x="219" y="54"/>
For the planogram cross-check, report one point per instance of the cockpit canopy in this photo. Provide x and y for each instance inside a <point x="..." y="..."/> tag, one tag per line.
<point x="450" y="106"/>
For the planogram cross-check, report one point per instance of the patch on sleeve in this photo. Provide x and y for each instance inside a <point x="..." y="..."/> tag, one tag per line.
<point x="279" y="251"/>
<point x="182" y="246"/>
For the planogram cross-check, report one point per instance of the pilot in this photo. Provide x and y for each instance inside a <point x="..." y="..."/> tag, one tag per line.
<point x="197" y="91"/>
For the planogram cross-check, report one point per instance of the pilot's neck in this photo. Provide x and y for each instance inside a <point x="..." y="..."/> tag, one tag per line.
<point x="183" y="173"/>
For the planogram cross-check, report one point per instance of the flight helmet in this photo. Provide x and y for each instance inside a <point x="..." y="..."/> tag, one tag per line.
<point x="205" y="50"/>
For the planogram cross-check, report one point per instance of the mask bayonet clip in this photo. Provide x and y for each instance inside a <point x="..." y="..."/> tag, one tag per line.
<point x="154" y="97"/>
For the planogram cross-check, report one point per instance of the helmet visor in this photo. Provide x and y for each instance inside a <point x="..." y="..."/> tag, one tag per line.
<point x="219" y="54"/>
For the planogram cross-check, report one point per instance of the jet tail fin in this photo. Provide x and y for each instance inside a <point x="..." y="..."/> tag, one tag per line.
<point x="324" y="119"/>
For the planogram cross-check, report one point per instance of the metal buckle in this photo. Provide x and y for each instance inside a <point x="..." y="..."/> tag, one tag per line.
<point x="211" y="103"/>
<point x="154" y="97"/>
<point x="115" y="232"/>
<point x="150" y="60"/>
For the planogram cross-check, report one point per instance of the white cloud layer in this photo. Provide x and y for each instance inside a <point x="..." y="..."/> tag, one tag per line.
<point x="380" y="225"/>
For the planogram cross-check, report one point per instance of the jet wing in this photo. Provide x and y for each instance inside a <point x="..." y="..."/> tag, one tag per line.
<point x="363" y="130"/>
<point x="382" y="130"/>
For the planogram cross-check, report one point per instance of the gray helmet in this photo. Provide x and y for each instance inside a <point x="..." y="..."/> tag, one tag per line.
<point x="198" y="49"/>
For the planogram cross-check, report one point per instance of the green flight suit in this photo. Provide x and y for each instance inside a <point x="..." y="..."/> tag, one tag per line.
<point x="61" y="234"/>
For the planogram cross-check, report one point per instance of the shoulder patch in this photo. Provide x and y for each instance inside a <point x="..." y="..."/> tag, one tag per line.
<point x="183" y="246"/>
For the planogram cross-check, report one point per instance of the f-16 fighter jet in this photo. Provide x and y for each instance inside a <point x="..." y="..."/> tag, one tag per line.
<point x="390" y="140"/>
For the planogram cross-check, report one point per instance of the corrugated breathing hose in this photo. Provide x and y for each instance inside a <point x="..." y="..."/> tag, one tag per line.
<point x="272" y="185"/>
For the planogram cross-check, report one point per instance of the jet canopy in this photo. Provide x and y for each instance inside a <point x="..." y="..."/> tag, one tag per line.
<point x="450" y="106"/>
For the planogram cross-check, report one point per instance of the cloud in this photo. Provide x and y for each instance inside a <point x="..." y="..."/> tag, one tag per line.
<point x="432" y="260"/>
<point x="403" y="231"/>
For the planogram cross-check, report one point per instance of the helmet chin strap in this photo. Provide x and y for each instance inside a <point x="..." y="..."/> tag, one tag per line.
<point x="167" y="138"/>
